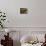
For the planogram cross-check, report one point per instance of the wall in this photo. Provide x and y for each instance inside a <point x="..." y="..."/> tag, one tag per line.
<point x="12" y="9"/>
<point x="35" y="20"/>
<point x="36" y="16"/>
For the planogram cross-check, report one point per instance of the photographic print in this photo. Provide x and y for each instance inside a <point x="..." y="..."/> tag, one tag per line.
<point x="23" y="10"/>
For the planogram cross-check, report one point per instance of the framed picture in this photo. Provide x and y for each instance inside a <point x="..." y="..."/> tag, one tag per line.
<point x="23" y="11"/>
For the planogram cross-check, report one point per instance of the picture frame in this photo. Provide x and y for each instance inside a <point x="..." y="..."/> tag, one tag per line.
<point x="23" y="10"/>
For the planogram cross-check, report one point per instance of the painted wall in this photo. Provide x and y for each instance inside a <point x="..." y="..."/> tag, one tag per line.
<point x="36" y="16"/>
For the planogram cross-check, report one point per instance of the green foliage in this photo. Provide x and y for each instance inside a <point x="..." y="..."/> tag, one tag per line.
<point x="2" y="19"/>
